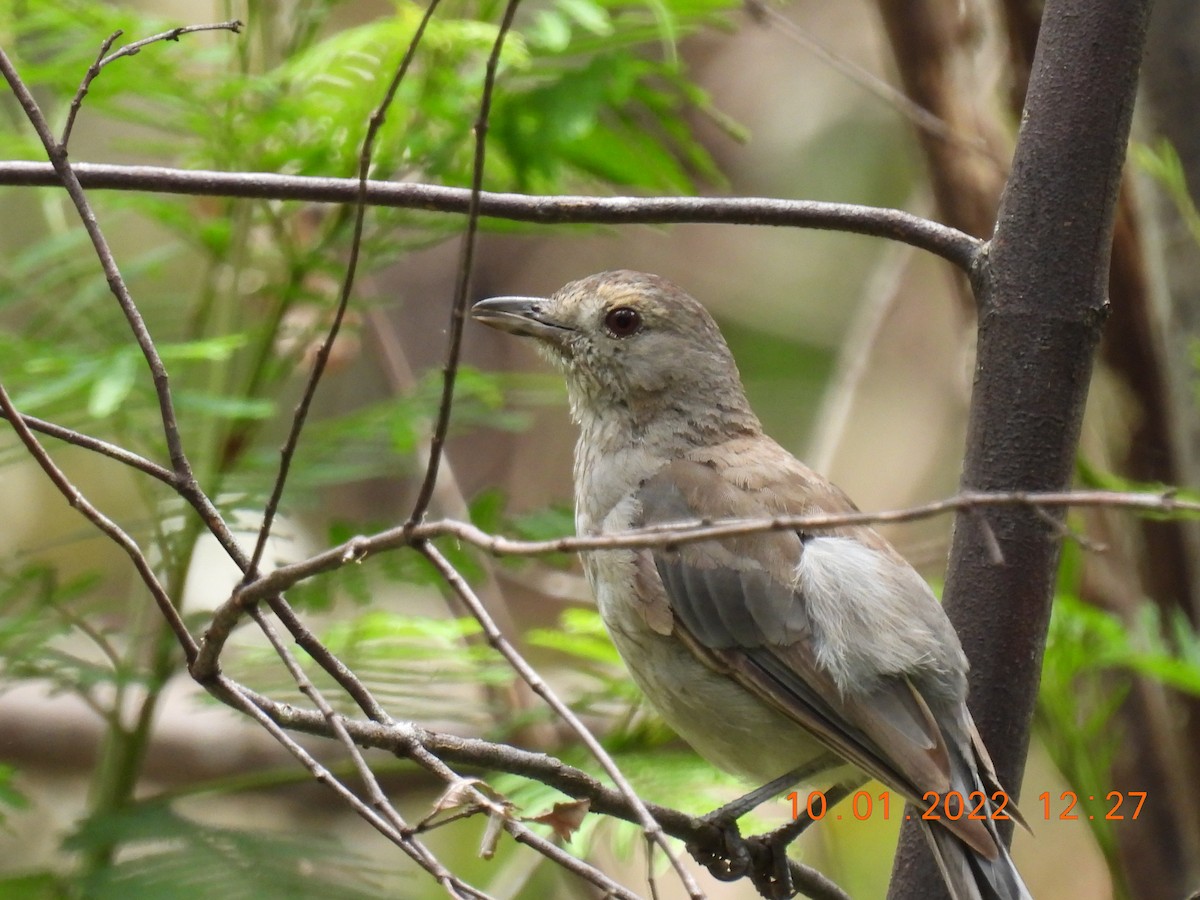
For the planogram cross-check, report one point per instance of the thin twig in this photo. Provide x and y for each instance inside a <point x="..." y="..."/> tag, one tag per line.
<point x="402" y="737"/>
<point x="652" y="828"/>
<point x="81" y="91"/>
<point x="918" y="115"/>
<point x="106" y="525"/>
<point x="103" y="60"/>
<point x="411" y="747"/>
<point x="234" y="695"/>
<point x="407" y="741"/>
<point x="378" y="799"/>
<point x="957" y="247"/>
<point x="358" y="548"/>
<point x="196" y="497"/>
<point x="565" y="860"/>
<point x="104" y="448"/>
<point x="288" y="450"/>
<point x="450" y="501"/>
<point x="218" y="632"/>
<point x="66" y="176"/>
<point x="462" y="284"/>
<point x="183" y="478"/>
<point x="325" y="658"/>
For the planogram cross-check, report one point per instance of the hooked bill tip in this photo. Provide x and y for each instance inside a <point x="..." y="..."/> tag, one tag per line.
<point x="518" y="315"/>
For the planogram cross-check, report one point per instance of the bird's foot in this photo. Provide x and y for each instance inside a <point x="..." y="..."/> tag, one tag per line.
<point x="762" y="858"/>
<point x="720" y="848"/>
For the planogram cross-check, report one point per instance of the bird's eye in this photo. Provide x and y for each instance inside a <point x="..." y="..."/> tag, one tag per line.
<point x="623" y="321"/>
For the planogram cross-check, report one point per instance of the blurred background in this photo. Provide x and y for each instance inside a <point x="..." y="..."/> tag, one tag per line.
<point x="118" y="777"/>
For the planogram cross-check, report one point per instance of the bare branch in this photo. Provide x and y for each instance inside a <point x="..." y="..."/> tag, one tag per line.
<point x="402" y="737"/>
<point x="534" y="680"/>
<point x="57" y="154"/>
<point x="207" y="663"/>
<point x="407" y="741"/>
<point x="81" y="91"/>
<point x="104" y="448"/>
<point x="1042" y="299"/>
<point x="949" y="243"/>
<point x="358" y="548"/>
<point x="448" y="497"/>
<point x="379" y="801"/>
<point x="417" y="752"/>
<point x="462" y="281"/>
<point x="322" y="357"/>
<point x="234" y="695"/>
<point x="103" y="60"/>
<point x="106" y="525"/>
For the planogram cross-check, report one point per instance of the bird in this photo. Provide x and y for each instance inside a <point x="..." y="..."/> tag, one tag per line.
<point x="776" y="655"/>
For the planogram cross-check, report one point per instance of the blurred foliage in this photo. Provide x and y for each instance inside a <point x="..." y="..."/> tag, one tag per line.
<point x="1092" y="656"/>
<point x="10" y="797"/>
<point x="1161" y="162"/>
<point x="172" y="856"/>
<point x="592" y="97"/>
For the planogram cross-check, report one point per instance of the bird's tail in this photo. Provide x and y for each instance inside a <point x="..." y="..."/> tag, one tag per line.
<point x="971" y="876"/>
<point x="982" y="868"/>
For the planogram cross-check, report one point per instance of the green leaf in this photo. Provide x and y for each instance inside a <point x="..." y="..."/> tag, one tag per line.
<point x="215" y="349"/>
<point x="112" y="388"/>
<point x="33" y="886"/>
<point x="224" y="407"/>
<point x="10" y="796"/>
<point x="487" y="510"/>
<point x="169" y="856"/>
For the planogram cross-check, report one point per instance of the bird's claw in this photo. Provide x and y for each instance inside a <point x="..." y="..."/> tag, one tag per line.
<point x="769" y="869"/>
<point x="721" y="849"/>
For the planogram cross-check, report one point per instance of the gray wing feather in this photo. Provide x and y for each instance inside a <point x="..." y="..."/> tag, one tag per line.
<point x="735" y="607"/>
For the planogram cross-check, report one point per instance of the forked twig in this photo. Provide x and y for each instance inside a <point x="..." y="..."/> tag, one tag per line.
<point x="104" y="58"/>
<point x="497" y="640"/>
<point x="106" y="525"/>
<point x="96" y="445"/>
<point x="57" y="154"/>
<point x="378" y="799"/>
<point x="234" y="695"/>
<point x="405" y="738"/>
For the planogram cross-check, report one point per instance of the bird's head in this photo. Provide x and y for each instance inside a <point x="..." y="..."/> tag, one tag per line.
<point x="630" y="344"/>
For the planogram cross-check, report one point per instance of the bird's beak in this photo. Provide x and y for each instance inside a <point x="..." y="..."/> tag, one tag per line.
<point x="520" y="315"/>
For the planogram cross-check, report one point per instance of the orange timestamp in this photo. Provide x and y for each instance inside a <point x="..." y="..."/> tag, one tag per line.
<point x="973" y="806"/>
<point x="1113" y="809"/>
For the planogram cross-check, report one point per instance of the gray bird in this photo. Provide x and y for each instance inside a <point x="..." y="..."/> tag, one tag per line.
<point x="773" y="653"/>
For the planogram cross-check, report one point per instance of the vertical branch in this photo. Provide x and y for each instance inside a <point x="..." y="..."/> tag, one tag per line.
<point x="1148" y="346"/>
<point x="288" y="451"/>
<point x="1042" y="293"/>
<point x="437" y="441"/>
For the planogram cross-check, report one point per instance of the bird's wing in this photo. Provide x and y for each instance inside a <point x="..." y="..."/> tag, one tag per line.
<point x="738" y="606"/>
